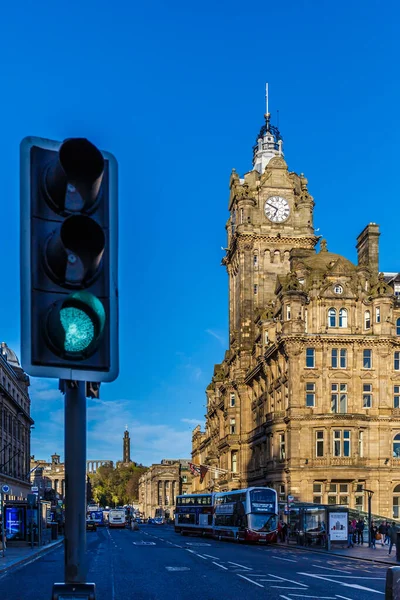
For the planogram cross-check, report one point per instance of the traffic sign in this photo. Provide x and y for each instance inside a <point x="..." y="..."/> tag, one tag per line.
<point x="290" y="499"/>
<point x="5" y="488"/>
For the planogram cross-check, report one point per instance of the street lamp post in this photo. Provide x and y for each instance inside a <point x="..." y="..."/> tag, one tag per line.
<point x="370" y="494"/>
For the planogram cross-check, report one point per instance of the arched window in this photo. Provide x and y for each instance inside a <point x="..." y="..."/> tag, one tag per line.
<point x="367" y="320"/>
<point x="396" y="502"/>
<point x="396" y="446"/>
<point x="398" y="327"/>
<point x="331" y="317"/>
<point x="342" y="317"/>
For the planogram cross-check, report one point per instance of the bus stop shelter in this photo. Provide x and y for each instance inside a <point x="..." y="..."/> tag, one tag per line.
<point x="324" y="525"/>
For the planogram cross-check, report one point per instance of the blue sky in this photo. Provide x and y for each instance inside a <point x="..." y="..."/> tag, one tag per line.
<point x="176" y="91"/>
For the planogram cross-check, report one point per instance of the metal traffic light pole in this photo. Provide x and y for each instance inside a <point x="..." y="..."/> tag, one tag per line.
<point x="75" y="482"/>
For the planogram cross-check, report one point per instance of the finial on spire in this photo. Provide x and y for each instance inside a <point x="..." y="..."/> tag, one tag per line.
<point x="126" y="427"/>
<point x="266" y="100"/>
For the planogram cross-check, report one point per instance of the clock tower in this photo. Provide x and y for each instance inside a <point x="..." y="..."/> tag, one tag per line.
<point x="271" y="222"/>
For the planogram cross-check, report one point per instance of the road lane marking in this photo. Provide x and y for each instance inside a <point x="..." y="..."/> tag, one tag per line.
<point x="222" y="567"/>
<point x="141" y="543"/>
<point x="286" y="559"/>
<point x="330" y="569"/>
<point x="197" y="544"/>
<point x="177" y="568"/>
<point x="344" y="597"/>
<point x="237" y="565"/>
<point x="200" y="556"/>
<point x="251" y="581"/>
<point x="208" y="555"/>
<point x="353" y="577"/>
<point x="355" y="586"/>
<point x="318" y="597"/>
<point x="285" y="587"/>
<point x="289" y="580"/>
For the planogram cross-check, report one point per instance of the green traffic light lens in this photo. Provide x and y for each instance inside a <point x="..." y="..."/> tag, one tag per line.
<point x="75" y="325"/>
<point x="78" y="327"/>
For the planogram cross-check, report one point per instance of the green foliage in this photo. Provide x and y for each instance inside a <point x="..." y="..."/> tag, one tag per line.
<point x="117" y="486"/>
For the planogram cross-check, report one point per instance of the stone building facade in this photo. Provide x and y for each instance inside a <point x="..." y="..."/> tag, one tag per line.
<point x="51" y="475"/>
<point x="160" y="484"/>
<point x="307" y="398"/>
<point x="15" y="425"/>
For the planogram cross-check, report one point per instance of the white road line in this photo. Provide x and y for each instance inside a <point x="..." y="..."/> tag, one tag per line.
<point x="209" y="556"/>
<point x="188" y="550"/>
<point x="289" y="580"/>
<point x="222" y="567"/>
<point x="237" y="565"/>
<point x="286" y="559"/>
<point x="353" y="577"/>
<point x="200" y="556"/>
<point x="344" y="597"/>
<point x="318" y="597"/>
<point x="285" y="597"/>
<point x="330" y="569"/>
<point x="285" y="587"/>
<point x="251" y="581"/>
<point x="355" y="586"/>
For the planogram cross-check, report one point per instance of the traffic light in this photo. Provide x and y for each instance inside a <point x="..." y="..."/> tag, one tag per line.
<point x="69" y="241"/>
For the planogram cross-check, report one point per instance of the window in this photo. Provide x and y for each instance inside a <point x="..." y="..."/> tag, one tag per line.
<point x="359" y="502"/>
<point x="397" y="289"/>
<point x="232" y="399"/>
<point x="317" y="499"/>
<point x="367" y="395"/>
<point x="319" y="444"/>
<point x="310" y="395"/>
<point x="281" y="446"/>
<point x="396" y="446"/>
<point x="367" y="359"/>
<point x="255" y="288"/>
<point x="377" y="314"/>
<point x="361" y="444"/>
<point x="232" y="426"/>
<point x="234" y="461"/>
<point x="396" y="365"/>
<point x="331" y="317"/>
<point x="317" y="488"/>
<point x="339" y="397"/>
<point x="338" y="289"/>
<point x="341" y="443"/>
<point x="367" y="320"/>
<point x="282" y="496"/>
<point x="396" y="396"/>
<point x="266" y="340"/>
<point x="339" y="358"/>
<point x="342" y="317"/>
<point x="288" y="312"/>
<point x="255" y="260"/>
<point x="310" y="358"/>
<point x="396" y="502"/>
<point x="398" y="327"/>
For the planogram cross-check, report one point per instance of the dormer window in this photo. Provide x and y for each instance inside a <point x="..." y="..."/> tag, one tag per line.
<point x="338" y="289"/>
<point x="367" y="320"/>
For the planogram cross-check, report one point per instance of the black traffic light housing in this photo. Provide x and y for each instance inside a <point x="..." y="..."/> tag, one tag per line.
<point x="69" y="241"/>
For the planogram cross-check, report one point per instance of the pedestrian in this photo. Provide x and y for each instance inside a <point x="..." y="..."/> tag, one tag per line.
<point x="350" y="535"/>
<point x="360" y="531"/>
<point x="382" y="532"/>
<point x="284" y="532"/>
<point x="387" y="536"/>
<point x="373" y="535"/>
<point x="393" y="536"/>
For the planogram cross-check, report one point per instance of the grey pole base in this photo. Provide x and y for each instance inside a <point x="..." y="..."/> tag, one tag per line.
<point x="84" y="591"/>
<point x="392" y="590"/>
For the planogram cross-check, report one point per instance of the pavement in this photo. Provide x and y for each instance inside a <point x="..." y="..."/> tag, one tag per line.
<point x="20" y="555"/>
<point x="358" y="552"/>
<point x="155" y="563"/>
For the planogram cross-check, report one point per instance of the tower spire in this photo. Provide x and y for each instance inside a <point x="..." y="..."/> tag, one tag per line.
<point x="269" y="141"/>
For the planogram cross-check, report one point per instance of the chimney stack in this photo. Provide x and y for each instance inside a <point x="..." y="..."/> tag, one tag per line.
<point x="368" y="248"/>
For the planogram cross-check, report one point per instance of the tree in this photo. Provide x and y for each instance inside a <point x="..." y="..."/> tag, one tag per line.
<point x="116" y="486"/>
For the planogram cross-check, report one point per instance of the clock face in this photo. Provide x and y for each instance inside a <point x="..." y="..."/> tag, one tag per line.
<point x="276" y="209"/>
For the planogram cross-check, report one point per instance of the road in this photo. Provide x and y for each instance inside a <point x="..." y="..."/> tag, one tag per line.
<point x="154" y="563"/>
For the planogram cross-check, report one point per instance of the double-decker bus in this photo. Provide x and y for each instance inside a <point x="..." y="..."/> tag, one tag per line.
<point x="249" y="515"/>
<point x="194" y="514"/>
<point x="117" y="517"/>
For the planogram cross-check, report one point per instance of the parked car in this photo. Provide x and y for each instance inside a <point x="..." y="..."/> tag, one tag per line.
<point x="159" y="521"/>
